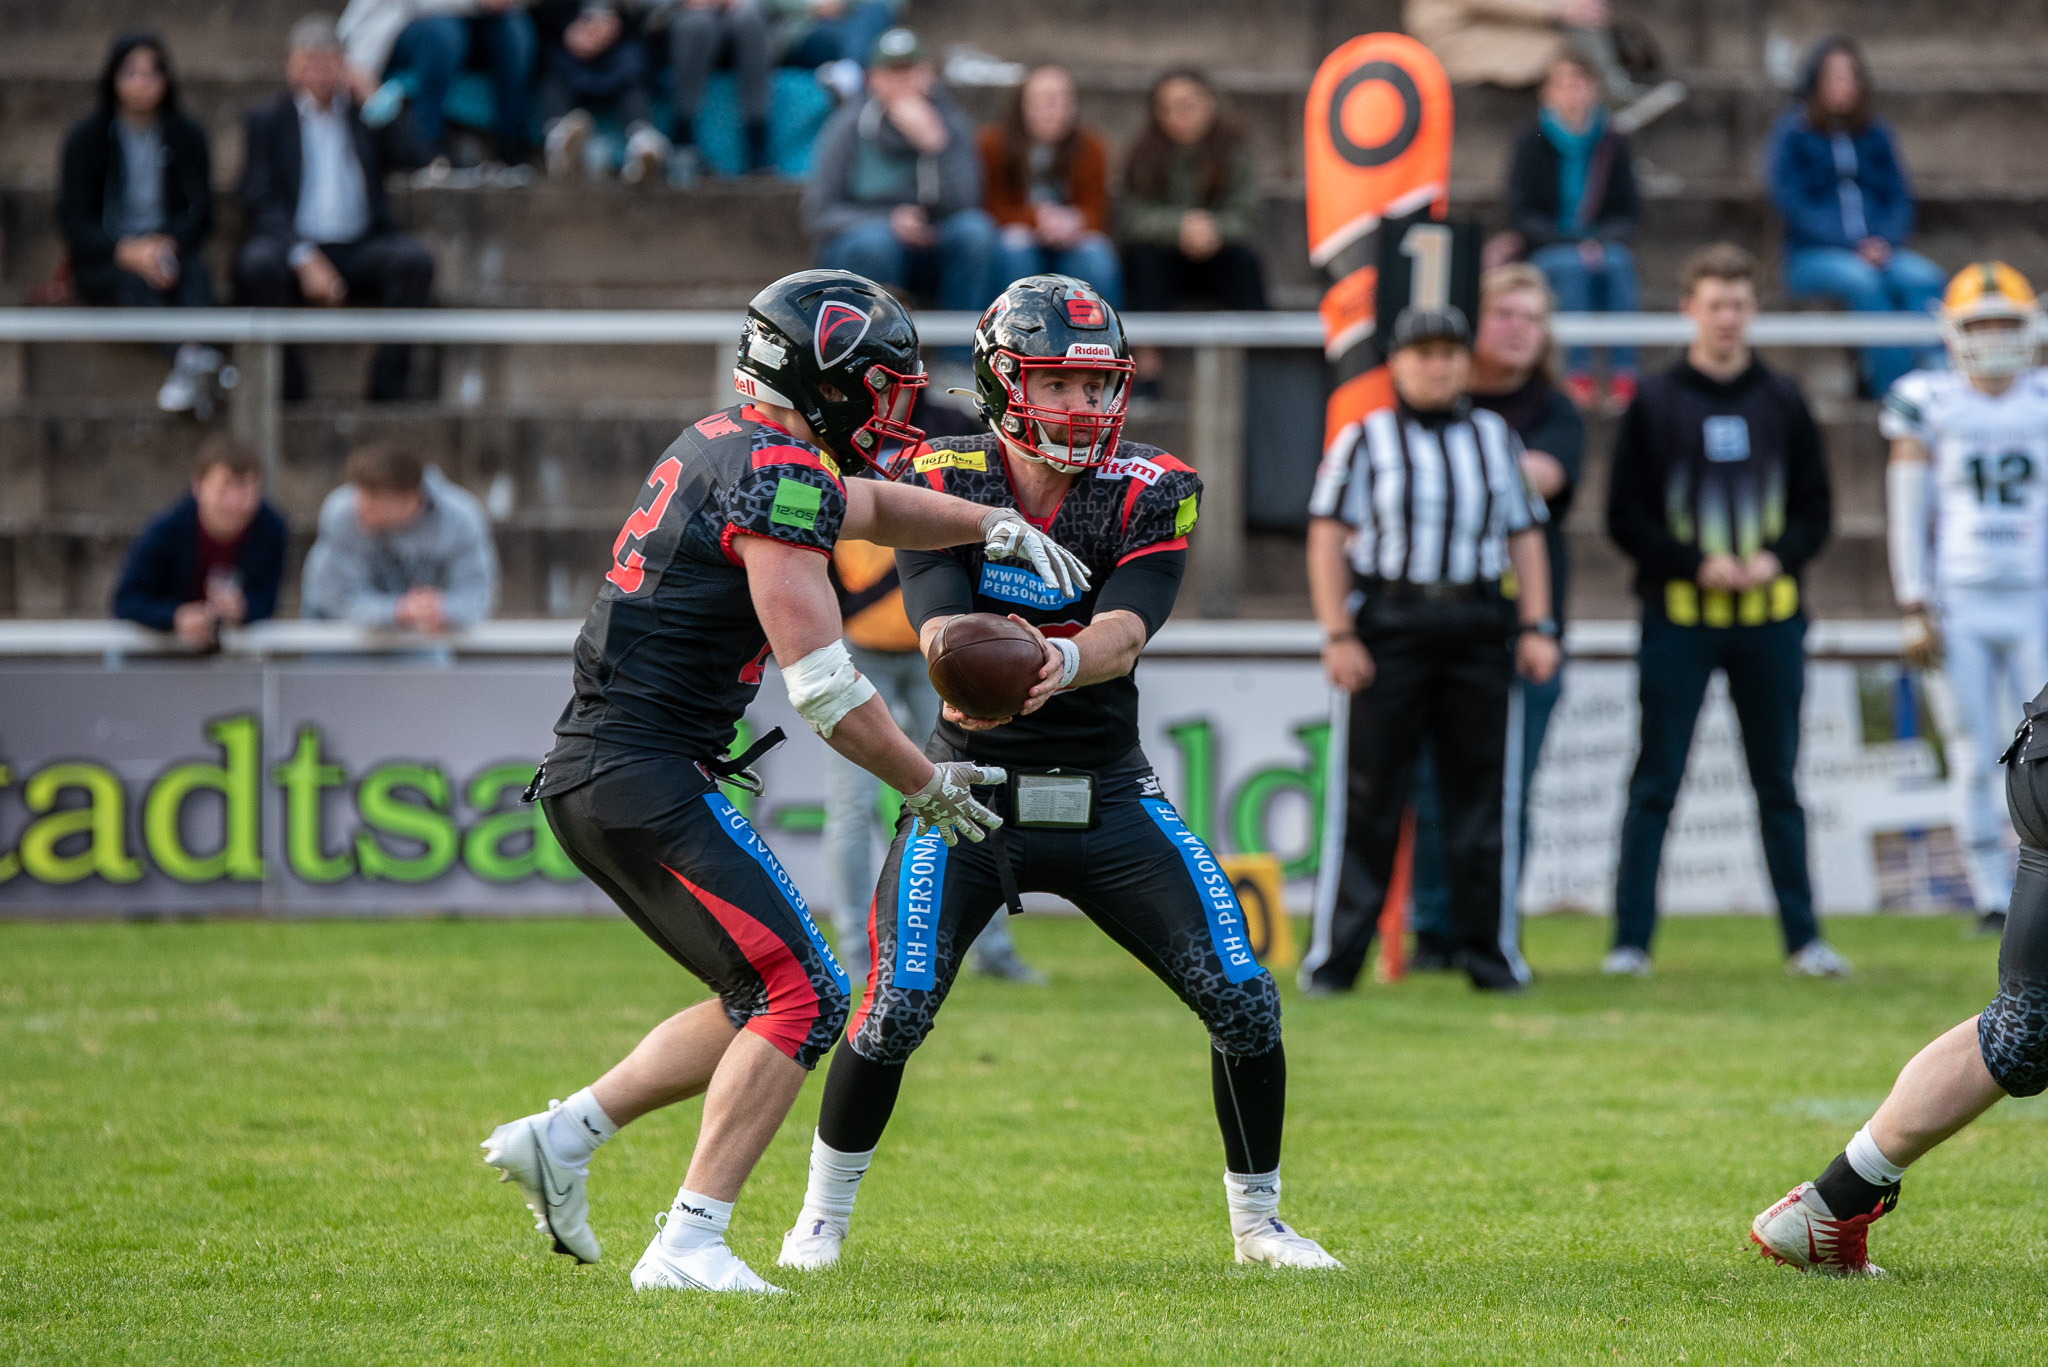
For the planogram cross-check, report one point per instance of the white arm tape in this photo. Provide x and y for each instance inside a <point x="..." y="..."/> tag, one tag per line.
<point x="1905" y="483"/>
<point x="824" y="686"/>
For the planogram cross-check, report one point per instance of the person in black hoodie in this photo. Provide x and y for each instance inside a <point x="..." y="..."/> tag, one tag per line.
<point x="1573" y="199"/>
<point x="1719" y="493"/>
<point x="135" y="205"/>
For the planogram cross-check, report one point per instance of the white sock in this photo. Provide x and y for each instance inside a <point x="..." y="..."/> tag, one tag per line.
<point x="695" y="1222"/>
<point x="1869" y="1160"/>
<point x="834" y="1182"/>
<point x="576" y="1128"/>
<point x="1254" y="1198"/>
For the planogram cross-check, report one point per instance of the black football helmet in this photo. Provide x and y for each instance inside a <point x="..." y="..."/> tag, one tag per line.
<point x="841" y="351"/>
<point x="1051" y="322"/>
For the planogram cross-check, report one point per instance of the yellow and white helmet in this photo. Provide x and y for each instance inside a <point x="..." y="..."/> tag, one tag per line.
<point x="1988" y="317"/>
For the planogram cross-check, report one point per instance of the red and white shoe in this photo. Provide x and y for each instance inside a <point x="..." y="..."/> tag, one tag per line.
<point x="1800" y="1231"/>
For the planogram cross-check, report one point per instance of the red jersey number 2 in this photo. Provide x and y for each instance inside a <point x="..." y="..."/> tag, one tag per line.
<point x="629" y="567"/>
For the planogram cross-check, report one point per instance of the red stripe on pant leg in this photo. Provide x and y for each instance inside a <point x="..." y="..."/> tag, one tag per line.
<point x="867" y="1001"/>
<point x="792" y="1001"/>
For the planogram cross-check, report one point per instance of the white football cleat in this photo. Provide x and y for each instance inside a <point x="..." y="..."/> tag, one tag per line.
<point x="812" y="1246"/>
<point x="1817" y="959"/>
<point x="1800" y="1231"/>
<point x="714" y="1267"/>
<point x="555" y="1192"/>
<point x="1275" y="1244"/>
<point x="1626" y="962"/>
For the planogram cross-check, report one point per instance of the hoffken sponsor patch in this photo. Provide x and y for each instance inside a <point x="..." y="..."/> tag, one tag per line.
<point x="796" y="504"/>
<point x="951" y="460"/>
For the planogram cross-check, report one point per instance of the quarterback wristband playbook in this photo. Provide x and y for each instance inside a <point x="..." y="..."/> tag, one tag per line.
<point x="1052" y="799"/>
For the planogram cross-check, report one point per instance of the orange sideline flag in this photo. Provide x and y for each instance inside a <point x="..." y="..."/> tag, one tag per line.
<point x="1377" y="136"/>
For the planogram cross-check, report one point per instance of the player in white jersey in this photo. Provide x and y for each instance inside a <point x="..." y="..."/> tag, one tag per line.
<point x="1968" y="494"/>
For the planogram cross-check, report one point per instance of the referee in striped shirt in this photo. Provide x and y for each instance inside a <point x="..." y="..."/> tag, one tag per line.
<point x="1431" y="582"/>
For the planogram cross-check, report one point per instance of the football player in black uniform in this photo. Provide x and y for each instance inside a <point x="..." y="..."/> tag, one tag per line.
<point x="723" y="561"/>
<point x="1085" y="816"/>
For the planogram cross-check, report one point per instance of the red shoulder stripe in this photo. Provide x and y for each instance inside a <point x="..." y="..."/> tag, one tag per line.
<point x="791" y="455"/>
<point x="1131" y="497"/>
<point x="1179" y="543"/>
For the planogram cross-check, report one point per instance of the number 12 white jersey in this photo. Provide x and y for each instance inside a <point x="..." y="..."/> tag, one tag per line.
<point x="1988" y="459"/>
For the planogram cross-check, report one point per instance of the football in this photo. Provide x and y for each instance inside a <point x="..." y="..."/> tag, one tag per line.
<point x="985" y="665"/>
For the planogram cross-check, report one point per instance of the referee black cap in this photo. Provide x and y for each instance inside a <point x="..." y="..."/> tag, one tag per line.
<point x="1416" y="325"/>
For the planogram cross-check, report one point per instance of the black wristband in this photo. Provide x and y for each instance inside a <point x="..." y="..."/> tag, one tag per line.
<point x="1546" y="627"/>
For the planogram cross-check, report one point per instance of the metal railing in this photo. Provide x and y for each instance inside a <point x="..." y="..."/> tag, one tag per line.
<point x="1216" y="436"/>
<point x="547" y="637"/>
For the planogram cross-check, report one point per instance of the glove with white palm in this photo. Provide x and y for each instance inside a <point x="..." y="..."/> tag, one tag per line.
<point x="947" y="806"/>
<point x="1007" y="536"/>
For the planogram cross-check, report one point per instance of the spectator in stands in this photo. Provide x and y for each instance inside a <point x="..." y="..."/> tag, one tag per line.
<point x="400" y="545"/>
<point x="700" y="34"/>
<point x="832" y="37"/>
<point x="1719" y="494"/>
<point x="1835" y="176"/>
<point x="1572" y="198"/>
<point x="1514" y="43"/>
<point x="135" y="205"/>
<point x="318" y="223"/>
<point x="895" y="188"/>
<point x="1048" y="187"/>
<point x="593" y="65"/>
<point x="214" y="558"/>
<point x="1191" y="210"/>
<point x="434" y="41"/>
<point x="1511" y="376"/>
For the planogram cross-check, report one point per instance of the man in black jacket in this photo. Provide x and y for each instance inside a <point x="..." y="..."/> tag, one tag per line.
<point x="214" y="558"/>
<point x="1720" y="495"/>
<point x="319" y="224"/>
<point x="135" y="205"/>
<point x="1572" y="197"/>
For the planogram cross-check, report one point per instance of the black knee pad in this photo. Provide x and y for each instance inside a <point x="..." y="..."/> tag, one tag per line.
<point x="2012" y="1035"/>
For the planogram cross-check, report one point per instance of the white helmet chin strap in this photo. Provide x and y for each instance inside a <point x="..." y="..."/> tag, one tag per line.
<point x="1037" y="455"/>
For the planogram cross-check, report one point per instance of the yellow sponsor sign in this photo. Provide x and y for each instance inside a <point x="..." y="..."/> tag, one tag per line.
<point x="1255" y="878"/>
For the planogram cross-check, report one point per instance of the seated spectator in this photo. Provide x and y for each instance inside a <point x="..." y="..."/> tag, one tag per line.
<point x="1048" y="188"/>
<point x="1191" y="210"/>
<point x="895" y="187"/>
<point x="135" y="205"/>
<point x="1572" y="197"/>
<point x="701" y="33"/>
<point x="1514" y="43"/>
<point x="593" y="65"/>
<point x="832" y="37"/>
<point x="1835" y="175"/>
<point x="214" y="558"/>
<point x="318" y="223"/>
<point x="434" y="41"/>
<point x="400" y="545"/>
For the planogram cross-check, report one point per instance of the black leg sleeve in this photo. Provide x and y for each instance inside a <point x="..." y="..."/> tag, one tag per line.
<point x="1251" y="1106"/>
<point x="860" y="1096"/>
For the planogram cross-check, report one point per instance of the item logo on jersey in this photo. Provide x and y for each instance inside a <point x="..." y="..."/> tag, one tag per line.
<point x="1727" y="437"/>
<point x="950" y="460"/>
<point x="1090" y="351"/>
<point x="1134" y="467"/>
<point x="839" y="330"/>
<point x="1015" y="584"/>
<point x="1184" y="515"/>
<point x="1086" y="312"/>
<point x="796" y="504"/>
<point x="718" y="425"/>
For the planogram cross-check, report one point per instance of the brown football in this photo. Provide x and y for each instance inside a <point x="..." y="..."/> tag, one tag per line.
<point x="985" y="665"/>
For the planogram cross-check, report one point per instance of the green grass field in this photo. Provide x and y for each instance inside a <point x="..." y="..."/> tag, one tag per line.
<point x="258" y="1142"/>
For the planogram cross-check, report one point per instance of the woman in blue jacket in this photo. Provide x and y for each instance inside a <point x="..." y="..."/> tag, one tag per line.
<point x="1836" y="178"/>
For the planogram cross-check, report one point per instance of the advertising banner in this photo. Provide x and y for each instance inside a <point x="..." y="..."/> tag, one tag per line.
<point x="374" y="787"/>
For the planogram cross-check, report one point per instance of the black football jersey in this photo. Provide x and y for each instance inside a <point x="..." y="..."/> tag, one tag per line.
<point x="1139" y="506"/>
<point x="672" y="651"/>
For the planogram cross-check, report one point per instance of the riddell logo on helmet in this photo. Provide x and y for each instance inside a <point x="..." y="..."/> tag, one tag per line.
<point x="1084" y="312"/>
<point x="1090" y="351"/>
<point x="840" y="329"/>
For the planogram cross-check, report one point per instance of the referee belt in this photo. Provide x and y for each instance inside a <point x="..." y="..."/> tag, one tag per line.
<point x="1686" y="604"/>
<point x="1406" y="591"/>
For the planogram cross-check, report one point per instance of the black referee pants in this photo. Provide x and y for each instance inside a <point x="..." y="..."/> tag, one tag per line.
<point x="1444" y="670"/>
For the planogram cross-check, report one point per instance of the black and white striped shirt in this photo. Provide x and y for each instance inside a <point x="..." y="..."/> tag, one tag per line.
<point x="1432" y="500"/>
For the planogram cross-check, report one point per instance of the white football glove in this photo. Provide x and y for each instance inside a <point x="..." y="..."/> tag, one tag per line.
<point x="946" y="806"/>
<point x="1007" y="536"/>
